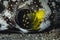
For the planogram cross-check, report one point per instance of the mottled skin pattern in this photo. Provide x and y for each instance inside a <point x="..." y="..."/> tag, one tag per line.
<point x="7" y="16"/>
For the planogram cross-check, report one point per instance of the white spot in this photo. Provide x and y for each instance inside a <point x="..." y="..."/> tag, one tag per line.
<point x="53" y="3"/>
<point x="44" y="25"/>
<point x="5" y="3"/>
<point x="7" y="14"/>
<point x="3" y="24"/>
<point x="13" y="0"/>
<point x="20" y="6"/>
<point x="22" y="30"/>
